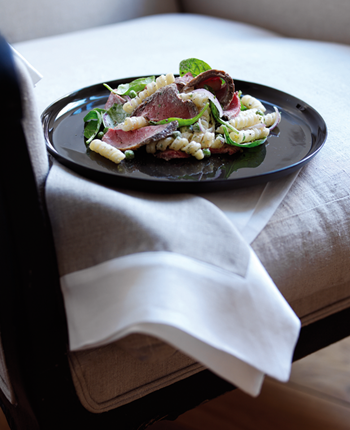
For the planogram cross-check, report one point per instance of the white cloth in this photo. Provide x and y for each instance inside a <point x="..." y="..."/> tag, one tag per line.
<point x="241" y="328"/>
<point x="249" y="211"/>
<point x="35" y="76"/>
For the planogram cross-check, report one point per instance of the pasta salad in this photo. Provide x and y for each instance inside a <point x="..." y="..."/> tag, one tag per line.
<point x="197" y="114"/>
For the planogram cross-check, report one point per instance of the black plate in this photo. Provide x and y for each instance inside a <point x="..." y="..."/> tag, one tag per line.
<point x="300" y="135"/>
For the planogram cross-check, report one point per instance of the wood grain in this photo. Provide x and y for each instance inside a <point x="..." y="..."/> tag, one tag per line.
<point x="3" y="422"/>
<point x="317" y="397"/>
<point x="327" y="372"/>
<point x="278" y="406"/>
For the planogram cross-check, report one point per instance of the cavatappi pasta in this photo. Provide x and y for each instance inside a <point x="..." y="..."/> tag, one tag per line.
<point x="251" y="103"/>
<point x="107" y="151"/>
<point x="132" y="123"/>
<point x="250" y="118"/>
<point x="249" y="135"/>
<point x="177" y="144"/>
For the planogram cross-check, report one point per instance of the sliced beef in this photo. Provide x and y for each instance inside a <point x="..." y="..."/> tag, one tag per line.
<point x="234" y="108"/>
<point x="226" y="149"/>
<point x="212" y="78"/>
<point x="170" y="154"/>
<point x="124" y="140"/>
<point x="181" y="81"/>
<point x="166" y="103"/>
<point x="113" y="99"/>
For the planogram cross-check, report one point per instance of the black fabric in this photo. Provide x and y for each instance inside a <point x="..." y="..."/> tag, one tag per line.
<point x="10" y="107"/>
<point x="32" y="319"/>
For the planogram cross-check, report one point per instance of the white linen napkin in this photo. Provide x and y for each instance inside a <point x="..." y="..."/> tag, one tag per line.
<point x="249" y="209"/>
<point x="33" y="73"/>
<point x="239" y="327"/>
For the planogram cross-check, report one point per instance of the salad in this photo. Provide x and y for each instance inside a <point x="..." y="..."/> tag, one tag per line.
<point x="197" y="114"/>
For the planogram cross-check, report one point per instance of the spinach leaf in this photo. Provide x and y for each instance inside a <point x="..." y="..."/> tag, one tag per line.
<point x="136" y="85"/>
<point x="93" y="122"/>
<point x="93" y="114"/>
<point x="250" y="158"/>
<point x="216" y="115"/>
<point x="110" y="88"/>
<point x="194" y="66"/>
<point x="182" y="122"/>
<point x="114" y="115"/>
<point x="240" y="97"/>
<point x="242" y="145"/>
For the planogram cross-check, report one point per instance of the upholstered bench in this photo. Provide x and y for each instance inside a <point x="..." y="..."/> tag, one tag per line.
<point x="301" y="49"/>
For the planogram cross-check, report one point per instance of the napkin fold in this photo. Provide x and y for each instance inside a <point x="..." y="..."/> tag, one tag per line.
<point x="249" y="209"/>
<point x="35" y="76"/>
<point x="173" y="266"/>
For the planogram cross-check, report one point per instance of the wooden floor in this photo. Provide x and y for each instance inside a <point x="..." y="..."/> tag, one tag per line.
<point x="3" y="422"/>
<point x="316" y="398"/>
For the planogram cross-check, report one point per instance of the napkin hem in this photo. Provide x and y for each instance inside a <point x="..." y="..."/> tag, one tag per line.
<point x="95" y="317"/>
<point x="239" y="373"/>
<point x="271" y="197"/>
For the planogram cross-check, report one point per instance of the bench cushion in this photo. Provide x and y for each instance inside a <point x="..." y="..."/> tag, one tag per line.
<point x="126" y="370"/>
<point x="310" y="19"/>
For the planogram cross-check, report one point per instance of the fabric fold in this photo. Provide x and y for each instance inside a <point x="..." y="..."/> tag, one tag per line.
<point x="239" y="327"/>
<point x="172" y="266"/>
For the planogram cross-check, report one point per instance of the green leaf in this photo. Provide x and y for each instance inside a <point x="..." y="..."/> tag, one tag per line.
<point x="110" y="88"/>
<point x="114" y="115"/>
<point x="137" y="85"/>
<point x="217" y="118"/>
<point x="194" y="66"/>
<point x="93" y="122"/>
<point x="182" y="122"/>
<point x="242" y="105"/>
<point x="91" y="115"/>
<point x="252" y="144"/>
<point x="250" y="158"/>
